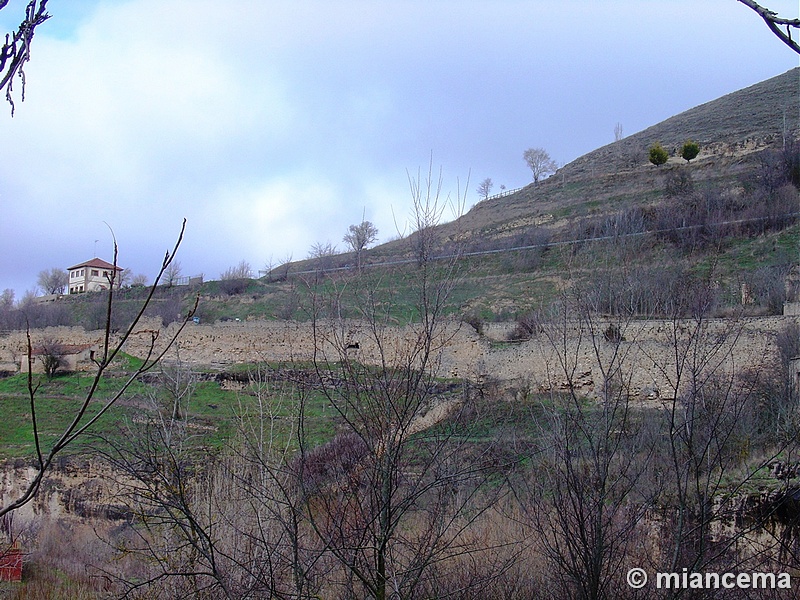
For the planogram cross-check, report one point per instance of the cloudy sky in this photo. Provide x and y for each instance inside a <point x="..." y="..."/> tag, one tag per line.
<point x="274" y="124"/>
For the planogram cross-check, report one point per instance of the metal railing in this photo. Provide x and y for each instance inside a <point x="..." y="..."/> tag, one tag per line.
<point x="502" y="194"/>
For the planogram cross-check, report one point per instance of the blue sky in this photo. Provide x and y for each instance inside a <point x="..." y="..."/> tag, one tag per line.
<point x="271" y="125"/>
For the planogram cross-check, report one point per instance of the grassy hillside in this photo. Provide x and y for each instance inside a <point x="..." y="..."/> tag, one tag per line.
<point x="610" y="210"/>
<point x="730" y="131"/>
<point x="490" y="490"/>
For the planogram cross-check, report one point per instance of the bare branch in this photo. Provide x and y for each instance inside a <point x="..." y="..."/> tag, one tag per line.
<point x="16" y="49"/>
<point x="78" y="426"/>
<point x="774" y="22"/>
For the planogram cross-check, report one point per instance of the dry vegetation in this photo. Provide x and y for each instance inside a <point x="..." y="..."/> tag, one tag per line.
<point x="345" y="480"/>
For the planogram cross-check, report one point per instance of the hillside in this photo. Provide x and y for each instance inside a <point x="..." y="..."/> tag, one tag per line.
<point x="608" y="214"/>
<point x="453" y="413"/>
<point x="730" y="130"/>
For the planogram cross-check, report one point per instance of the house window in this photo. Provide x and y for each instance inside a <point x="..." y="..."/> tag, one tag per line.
<point x="95" y="273"/>
<point x="105" y="273"/>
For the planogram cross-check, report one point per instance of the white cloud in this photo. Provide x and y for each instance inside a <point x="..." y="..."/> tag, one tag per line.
<point x="271" y="125"/>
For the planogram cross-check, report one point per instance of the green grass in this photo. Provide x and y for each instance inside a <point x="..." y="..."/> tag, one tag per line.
<point x="214" y="415"/>
<point x="53" y="416"/>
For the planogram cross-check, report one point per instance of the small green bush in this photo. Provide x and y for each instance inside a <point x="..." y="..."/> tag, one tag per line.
<point x="689" y="150"/>
<point x="658" y="156"/>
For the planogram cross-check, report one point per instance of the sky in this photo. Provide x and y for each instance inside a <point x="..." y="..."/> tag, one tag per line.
<point x="272" y="125"/>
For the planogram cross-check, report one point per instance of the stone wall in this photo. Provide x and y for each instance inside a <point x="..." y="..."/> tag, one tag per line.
<point x="646" y="352"/>
<point x="791" y="309"/>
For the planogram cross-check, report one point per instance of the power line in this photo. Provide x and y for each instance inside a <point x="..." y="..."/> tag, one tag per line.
<point x="458" y="255"/>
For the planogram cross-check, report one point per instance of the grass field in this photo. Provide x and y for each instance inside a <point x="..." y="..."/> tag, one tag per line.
<point x="214" y="415"/>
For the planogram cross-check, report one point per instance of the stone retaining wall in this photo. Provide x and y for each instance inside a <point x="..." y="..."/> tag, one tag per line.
<point x="646" y="352"/>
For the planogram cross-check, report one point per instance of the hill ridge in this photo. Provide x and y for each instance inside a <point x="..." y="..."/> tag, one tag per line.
<point x="733" y="125"/>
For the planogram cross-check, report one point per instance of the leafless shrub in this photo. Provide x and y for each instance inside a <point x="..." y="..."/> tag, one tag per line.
<point x="678" y="183"/>
<point x="235" y="280"/>
<point x="612" y="334"/>
<point x="231" y="525"/>
<point x="167" y="307"/>
<point x="779" y="167"/>
<point x="51" y="354"/>
<point x="532" y="245"/>
<point x="322" y="253"/>
<point x="290" y="305"/>
<point x="333" y="464"/>
<point x="655" y="292"/>
<point x="474" y="321"/>
<point x="528" y="325"/>
<point x="766" y="287"/>
<point x="37" y="316"/>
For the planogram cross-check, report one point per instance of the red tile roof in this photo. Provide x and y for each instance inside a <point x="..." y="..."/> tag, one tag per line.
<point x="97" y="263"/>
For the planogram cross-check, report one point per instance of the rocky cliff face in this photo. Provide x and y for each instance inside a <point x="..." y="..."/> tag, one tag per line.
<point x="72" y="489"/>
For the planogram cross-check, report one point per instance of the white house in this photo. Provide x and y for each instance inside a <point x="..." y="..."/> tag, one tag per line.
<point x="92" y="276"/>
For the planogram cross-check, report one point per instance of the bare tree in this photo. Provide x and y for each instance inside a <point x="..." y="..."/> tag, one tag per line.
<point x="426" y="212"/>
<point x="281" y="272"/>
<point x="241" y="271"/>
<point x="28" y="298"/>
<point x="774" y="22"/>
<point x="359" y="237"/>
<point x="177" y="383"/>
<point x="485" y="188"/>
<point x="322" y="254"/>
<point x="392" y="494"/>
<point x="539" y="162"/>
<point x="618" y="134"/>
<point x="16" y="50"/>
<point x="236" y="279"/>
<point x="124" y="278"/>
<point x="585" y="498"/>
<point x="53" y="281"/>
<point x="139" y="280"/>
<point x="276" y="270"/>
<point x="172" y="274"/>
<point x="83" y="419"/>
<point x="52" y="356"/>
<point x="7" y="299"/>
